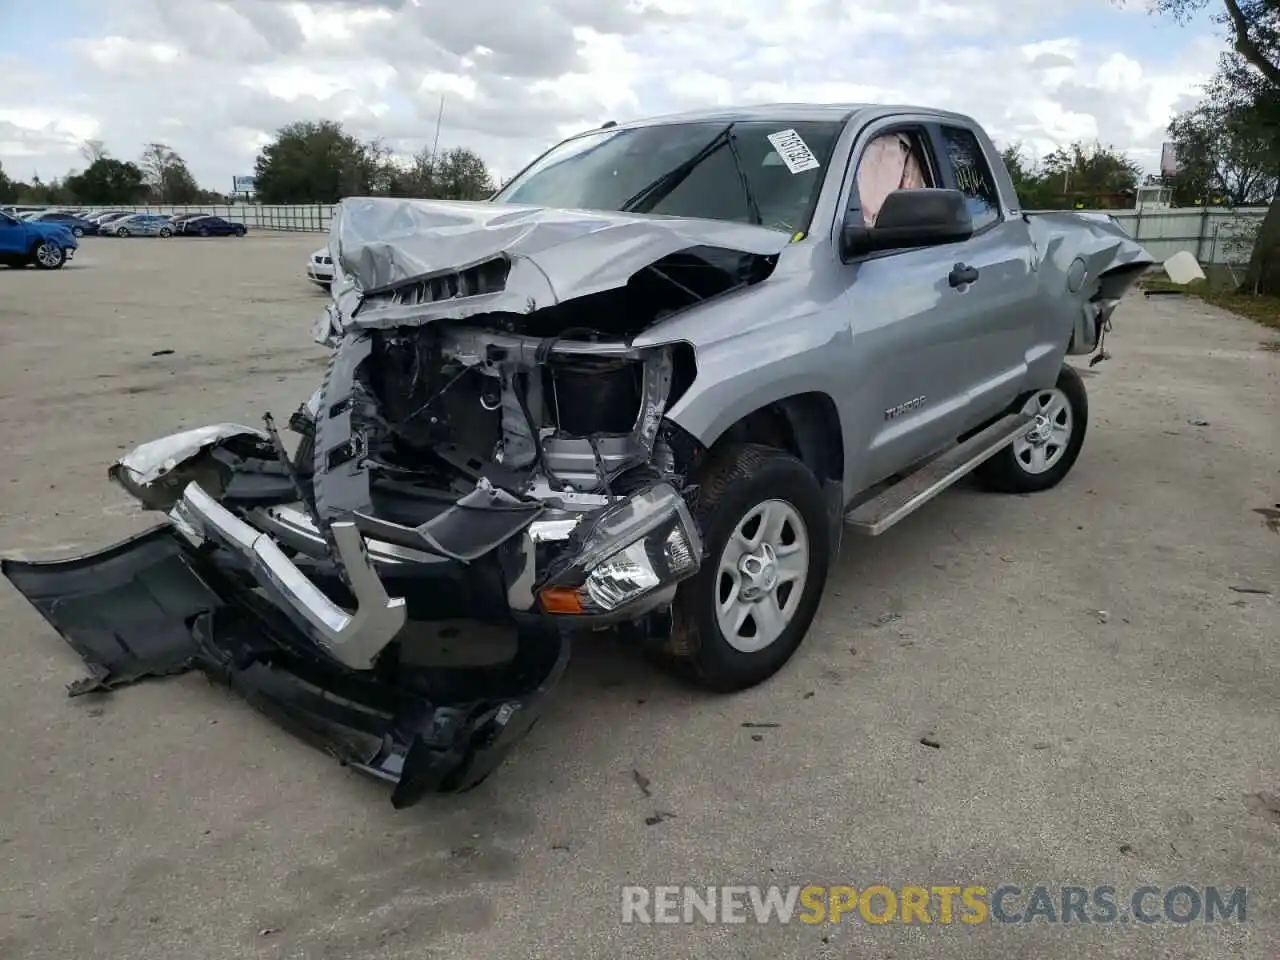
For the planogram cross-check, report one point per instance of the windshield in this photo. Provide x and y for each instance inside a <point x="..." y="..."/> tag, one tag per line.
<point x="606" y="169"/>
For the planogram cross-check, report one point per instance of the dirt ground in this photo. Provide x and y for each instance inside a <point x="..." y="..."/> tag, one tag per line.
<point x="1095" y="664"/>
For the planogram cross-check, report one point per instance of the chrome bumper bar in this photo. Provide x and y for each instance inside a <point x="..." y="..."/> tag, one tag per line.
<point x="352" y="638"/>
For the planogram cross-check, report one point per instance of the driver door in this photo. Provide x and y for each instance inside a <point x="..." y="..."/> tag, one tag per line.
<point x="12" y="236"/>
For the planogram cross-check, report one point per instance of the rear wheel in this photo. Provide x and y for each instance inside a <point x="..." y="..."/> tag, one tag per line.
<point x="166" y="232"/>
<point x="122" y="232"/>
<point x="239" y="231"/>
<point x="204" y="231"/>
<point x="1041" y="457"/>
<point x="764" y="524"/>
<point x="77" y="231"/>
<point x="49" y="256"/>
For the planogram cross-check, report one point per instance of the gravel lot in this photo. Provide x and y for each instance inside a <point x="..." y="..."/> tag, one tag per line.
<point x="1139" y="745"/>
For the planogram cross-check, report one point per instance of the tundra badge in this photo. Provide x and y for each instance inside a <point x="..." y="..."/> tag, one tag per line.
<point x="913" y="404"/>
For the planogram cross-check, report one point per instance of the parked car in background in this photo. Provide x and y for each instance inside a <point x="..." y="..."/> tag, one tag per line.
<point x="320" y="267"/>
<point x="178" y="219"/>
<point x="210" y="226"/>
<point x="78" y="225"/>
<point x="106" y="217"/>
<point x="140" y="225"/>
<point x="47" y="245"/>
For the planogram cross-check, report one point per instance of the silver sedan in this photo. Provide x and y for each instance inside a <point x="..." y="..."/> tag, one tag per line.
<point x="140" y="225"/>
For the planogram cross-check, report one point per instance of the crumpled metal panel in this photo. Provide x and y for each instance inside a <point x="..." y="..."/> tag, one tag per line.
<point x="155" y="458"/>
<point x="1062" y="237"/>
<point x="555" y="255"/>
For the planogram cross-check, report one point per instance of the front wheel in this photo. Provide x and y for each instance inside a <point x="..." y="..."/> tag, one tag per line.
<point x="122" y="232"/>
<point x="77" y="231"/>
<point x="50" y="256"/>
<point x="1041" y="457"/>
<point x="166" y="232"/>
<point x="239" y="231"/>
<point x="766" y="550"/>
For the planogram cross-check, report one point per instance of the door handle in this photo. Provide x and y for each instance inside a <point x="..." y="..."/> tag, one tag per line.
<point x="962" y="274"/>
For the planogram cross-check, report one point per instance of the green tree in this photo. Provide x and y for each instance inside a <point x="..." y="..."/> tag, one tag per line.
<point x="1034" y="190"/>
<point x="1223" y="152"/>
<point x="1249" y="75"/>
<point x="456" y="174"/>
<point x="8" y="189"/>
<point x="1083" y="172"/>
<point x="108" y="181"/>
<point x="315" y="163"/>
<point x="167" y="176"/>
<point x="460" y="174"/>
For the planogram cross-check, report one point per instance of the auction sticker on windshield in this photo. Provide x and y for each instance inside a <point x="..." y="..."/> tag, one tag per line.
<point x="795" y="153"/>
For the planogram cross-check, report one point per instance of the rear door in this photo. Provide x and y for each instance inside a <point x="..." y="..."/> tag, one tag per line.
<point x="992" y="356"/>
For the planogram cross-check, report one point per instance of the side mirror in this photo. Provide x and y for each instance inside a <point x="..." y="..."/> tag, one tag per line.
<point x="910" y="218"/>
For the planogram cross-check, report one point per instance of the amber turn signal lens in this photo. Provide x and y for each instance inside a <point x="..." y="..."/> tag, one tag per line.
<point x="560" y="600"/>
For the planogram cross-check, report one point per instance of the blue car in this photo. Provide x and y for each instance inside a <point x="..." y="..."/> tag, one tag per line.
<point x="47" y="245"/>
<point x="211" y="227"/>
<point x="78" y="225"/>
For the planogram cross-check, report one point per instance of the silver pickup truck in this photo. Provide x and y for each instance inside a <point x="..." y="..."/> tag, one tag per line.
<point x="649" y="386"/>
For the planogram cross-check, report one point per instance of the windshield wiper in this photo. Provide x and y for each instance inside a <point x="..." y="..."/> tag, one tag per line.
<point x="752" y="207"/>
<point x="652" y="193"/>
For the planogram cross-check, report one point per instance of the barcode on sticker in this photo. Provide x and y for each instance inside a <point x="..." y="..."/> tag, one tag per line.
<point x="795" y="153"/>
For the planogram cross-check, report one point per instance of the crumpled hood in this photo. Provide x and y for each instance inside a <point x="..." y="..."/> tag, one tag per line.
<point x="556" y="255"/>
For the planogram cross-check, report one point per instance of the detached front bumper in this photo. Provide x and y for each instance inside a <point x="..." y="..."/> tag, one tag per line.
<point x="155" y="605"/>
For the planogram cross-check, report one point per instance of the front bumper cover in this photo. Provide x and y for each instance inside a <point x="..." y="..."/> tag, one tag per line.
<point x="155" y="605"/>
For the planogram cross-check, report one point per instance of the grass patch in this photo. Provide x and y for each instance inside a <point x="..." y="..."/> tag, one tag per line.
<point x="1263" y="310"/>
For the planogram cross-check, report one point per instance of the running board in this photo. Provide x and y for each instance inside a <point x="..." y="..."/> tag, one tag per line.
<point x="919" y="487"/>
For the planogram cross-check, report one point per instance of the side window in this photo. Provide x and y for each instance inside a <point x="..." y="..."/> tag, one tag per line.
<point x="973" y="175"/>
<point x="892" y="161"/>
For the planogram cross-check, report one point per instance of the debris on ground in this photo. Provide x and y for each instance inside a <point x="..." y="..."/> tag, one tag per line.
<point x="1198" y="423"/>
<point x="886" y="618"/>
<point x="1102" y="615"/>
<point x="752" y="725"/>
<point x="642" y="782"/>
<point x="1249" y="588"/>
<point x="931" y="741"/>
<point x="657" y="817"/>
<point x="161" y="353"/>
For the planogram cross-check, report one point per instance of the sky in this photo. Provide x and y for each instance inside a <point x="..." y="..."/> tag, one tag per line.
<point x="214" y="79"/>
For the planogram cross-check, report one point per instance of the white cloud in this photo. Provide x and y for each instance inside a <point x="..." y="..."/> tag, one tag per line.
<point x="215" y="78"/>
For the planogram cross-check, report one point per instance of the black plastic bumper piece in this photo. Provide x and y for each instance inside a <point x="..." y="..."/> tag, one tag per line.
<point x="153" y="606"/>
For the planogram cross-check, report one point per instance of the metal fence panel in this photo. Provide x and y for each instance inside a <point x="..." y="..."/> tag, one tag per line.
<point x="1214" y="234"/>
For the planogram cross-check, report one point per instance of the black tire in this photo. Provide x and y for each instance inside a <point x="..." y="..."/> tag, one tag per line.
<point x="1010" y="471"/>
<point x="166" y="232"/>
<point x="122" y="232"/>
<point x="204" y="232"/>
<point x="239" y="231"/>
<point x="735" y="483"/>
<point x="47" y="255"/>
<point x="77" y="232"/>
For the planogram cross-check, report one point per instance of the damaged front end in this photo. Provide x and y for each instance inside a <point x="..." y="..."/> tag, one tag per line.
<point x="487" y="447"/>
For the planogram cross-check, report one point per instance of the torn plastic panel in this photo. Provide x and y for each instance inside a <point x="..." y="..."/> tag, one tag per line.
<point x="150" y="606"/>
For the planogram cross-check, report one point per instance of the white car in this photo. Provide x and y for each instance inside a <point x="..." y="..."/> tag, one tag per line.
<point x="320" y="268"/>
